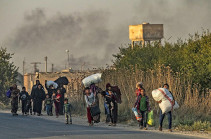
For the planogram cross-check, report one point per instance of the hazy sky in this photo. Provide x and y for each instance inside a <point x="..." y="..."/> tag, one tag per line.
<point x="91" y="29"/>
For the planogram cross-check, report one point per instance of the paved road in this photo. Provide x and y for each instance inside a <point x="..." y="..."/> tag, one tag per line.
<point x="21" y="127"/>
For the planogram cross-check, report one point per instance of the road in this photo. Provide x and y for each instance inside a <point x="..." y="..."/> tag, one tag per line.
<point x="45" y="127"/>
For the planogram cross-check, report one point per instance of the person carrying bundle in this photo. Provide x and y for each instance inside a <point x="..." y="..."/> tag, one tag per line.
<point x="162" y="115"/>
<point x="92" y="107"/>
<point x="112" y="108"/>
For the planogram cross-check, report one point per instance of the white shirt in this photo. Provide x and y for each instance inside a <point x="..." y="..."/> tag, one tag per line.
<point x="90" y="99"/>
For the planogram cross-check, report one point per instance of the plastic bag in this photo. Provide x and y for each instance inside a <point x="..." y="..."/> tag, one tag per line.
<point x="8" y="93"/>
<point x="150" y="119"/>
<point x="166" y="106"/>
<point x="137" y="115"/>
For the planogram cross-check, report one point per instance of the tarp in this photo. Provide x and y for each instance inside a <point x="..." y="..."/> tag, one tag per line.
<point x="62" y="80"/>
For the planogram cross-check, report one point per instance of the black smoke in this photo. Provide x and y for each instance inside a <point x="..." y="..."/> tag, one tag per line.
<point x="85" y="35"/>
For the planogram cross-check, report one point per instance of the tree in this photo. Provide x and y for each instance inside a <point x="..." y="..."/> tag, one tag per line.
<point x="192" y="58"/>
<point x="8" y="73"/>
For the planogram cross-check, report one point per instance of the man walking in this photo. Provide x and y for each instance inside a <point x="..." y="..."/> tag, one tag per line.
<point x="14" y="99"/>
<point x="162" y="116"/>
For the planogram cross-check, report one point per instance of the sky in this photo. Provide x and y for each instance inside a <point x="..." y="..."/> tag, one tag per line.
<point x="92" y="30"/>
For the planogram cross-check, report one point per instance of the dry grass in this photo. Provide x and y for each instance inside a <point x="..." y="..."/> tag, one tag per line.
<point x="195" y="104"/>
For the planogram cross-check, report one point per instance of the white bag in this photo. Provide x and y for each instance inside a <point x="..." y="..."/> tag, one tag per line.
<point x="158" y="95"/>
<point x="166" y="106"/>
<point x="95" y="78"/>
<point x="166" y="98"/>
<point x="49" y="83"/>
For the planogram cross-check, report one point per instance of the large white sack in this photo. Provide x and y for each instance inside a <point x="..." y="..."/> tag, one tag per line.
<point x="49" y="83"/>
<point x="95" y="78"/>
<point x="166" y="106"/>
<point x="158" y="95"/>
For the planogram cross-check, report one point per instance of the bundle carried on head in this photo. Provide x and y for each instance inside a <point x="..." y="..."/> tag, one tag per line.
<point x="92" y="79"/>
<point x="49" y="83"/>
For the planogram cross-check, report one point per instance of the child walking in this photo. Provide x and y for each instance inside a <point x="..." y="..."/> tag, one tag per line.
<point x="143" y="108"/>
<point x="67" y="111"/>
<point x="29" y="105"/>
<point x="113" y="108"/>
<point x="23" y="98"/>
<point x="56" y="98"/>
<point x="48" y="105"/>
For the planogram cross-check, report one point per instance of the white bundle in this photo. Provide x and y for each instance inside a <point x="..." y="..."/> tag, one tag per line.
<point x="95" y="78"/>
<point x="49" y="83"/>
<point x="166" y="98"/>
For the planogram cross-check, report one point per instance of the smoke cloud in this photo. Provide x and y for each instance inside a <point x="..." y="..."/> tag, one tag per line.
<point x="94" y="35"/>
<point x="180" y="17"/>
<point x="85" y="35"/>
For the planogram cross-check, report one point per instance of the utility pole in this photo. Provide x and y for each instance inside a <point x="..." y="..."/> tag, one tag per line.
<point x="46" y="64"/>
<point x="24" y="66"/>
<point x="52" y="68"/>
<point x="68" y="58"/>
<point x="35" y="66"/>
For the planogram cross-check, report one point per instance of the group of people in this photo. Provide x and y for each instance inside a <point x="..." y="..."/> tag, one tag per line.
<point x="33" y="103"/>
<point x="111" y="97"/>
<point x="143" y="108"/>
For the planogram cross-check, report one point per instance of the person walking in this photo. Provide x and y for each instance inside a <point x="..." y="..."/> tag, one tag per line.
<point x="112" y="108"/>
<point x="63" y="91"/>
<point x="169" y="114"/>
<point x="143" y="108"/>
<point x="23" y="98"/>
<point x="29" y="105"/>
<point x="33" y="93"/>
<point x="14" y="99"/>
<point x="90" y="101"/>
<point x="67" y="111"/>
<point x="39" y="96"/>
<point x="48" y="105"/>
<point x="107" y="103"/>
<point x="56" y="99"/>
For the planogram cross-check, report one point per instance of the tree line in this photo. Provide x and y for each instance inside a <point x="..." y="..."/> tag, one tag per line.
<point x="191" y="58"/>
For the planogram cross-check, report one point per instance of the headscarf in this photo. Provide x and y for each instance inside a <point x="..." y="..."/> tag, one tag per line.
<point x="93" y="88"/>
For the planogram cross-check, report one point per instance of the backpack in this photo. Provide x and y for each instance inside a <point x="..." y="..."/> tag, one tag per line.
<point x="8" y="93"/>
<point x="117" y="93"/>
